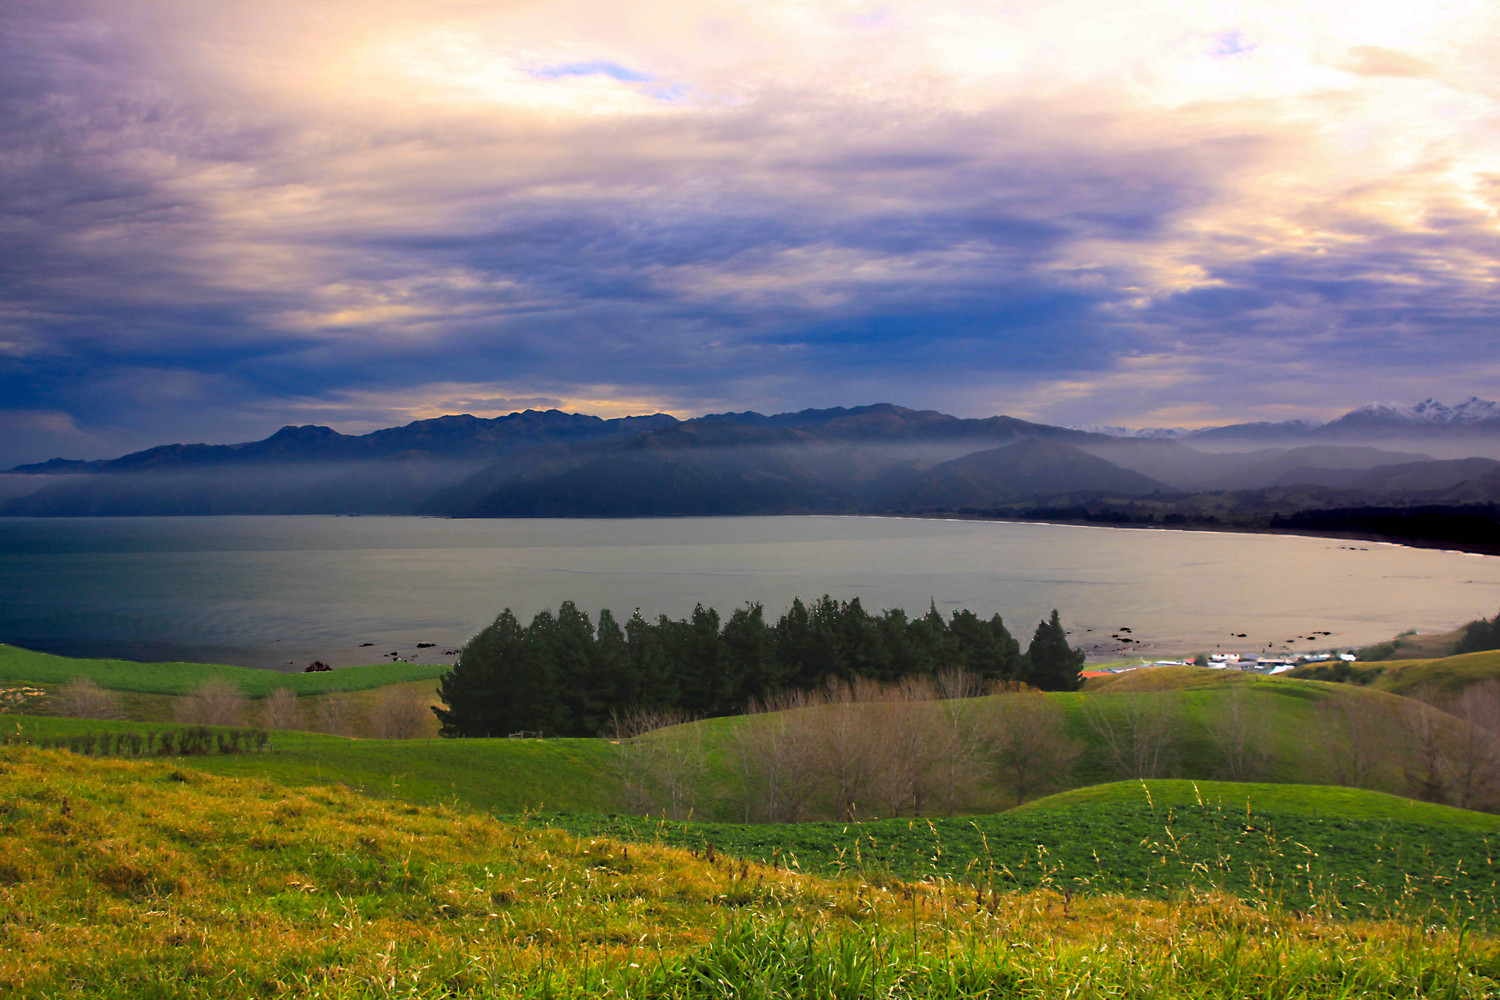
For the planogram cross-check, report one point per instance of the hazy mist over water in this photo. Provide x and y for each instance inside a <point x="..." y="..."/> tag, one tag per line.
<point x="280" y="591"/>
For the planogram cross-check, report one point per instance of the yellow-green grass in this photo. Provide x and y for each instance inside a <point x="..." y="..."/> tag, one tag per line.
<point x="487" y="775"/>
<point x="1414" y="645"/>
<point x="1446" y="675"/>
<point x="1359" y="852"/>
<point x="122" y="879"/>
<point x="24" y="666"/>
<point x="1245" y="796"/>
<point x="582" y="776"/>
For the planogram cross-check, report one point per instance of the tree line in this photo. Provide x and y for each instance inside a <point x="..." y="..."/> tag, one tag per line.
<point x="563" y="675"/>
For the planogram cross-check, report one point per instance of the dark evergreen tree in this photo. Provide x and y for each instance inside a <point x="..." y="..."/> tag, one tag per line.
<point x="1480" y="636"/>
<point x="489" y="691"/>
<point x="904" y="644"/>
<point x="535" y="702"/>
<point x="937" y="642"/>
<point x="750" y="655"/>
<point x="1054" y="665"/>
<point x="1007" y="650"/>
<point x="656" y="687"/>
<point x="561" y="676"/>
<point x="473" y="689"/>
<point x="861" y="647"/>
<point x="705" y="673"/>
<point x="616" y="684"/>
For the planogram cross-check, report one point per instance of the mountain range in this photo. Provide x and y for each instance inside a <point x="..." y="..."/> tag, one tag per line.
<point x="1428" y="420"/>
<point x="869" y="459"/>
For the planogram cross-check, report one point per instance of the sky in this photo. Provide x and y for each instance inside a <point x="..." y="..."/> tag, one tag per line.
<point x="219" y="218"/>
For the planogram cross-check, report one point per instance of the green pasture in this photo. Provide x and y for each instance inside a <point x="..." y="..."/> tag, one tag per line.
<point x="1361" y="853"/>
<point x="492" y="776"/>
<point x="581" y="775"/>
<point x="1443" y="676"/>
<point x="122" y="879"/>
<point x="27" y="667"/>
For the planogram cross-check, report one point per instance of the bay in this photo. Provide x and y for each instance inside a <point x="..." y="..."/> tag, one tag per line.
<point x="281" y="591"/>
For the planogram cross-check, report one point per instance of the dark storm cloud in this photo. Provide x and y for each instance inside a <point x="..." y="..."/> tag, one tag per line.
<point x="217" y="220"/>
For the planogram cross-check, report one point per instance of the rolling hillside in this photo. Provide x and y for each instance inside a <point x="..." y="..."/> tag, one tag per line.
<point x="1286" y="738"/>
<point x="124" y="880"/>
<point x="1445" y="675"/>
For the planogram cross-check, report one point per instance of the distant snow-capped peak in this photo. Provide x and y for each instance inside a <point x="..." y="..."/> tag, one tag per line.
<point x="1131" y="432"/>
<point x="1429" y="411"/>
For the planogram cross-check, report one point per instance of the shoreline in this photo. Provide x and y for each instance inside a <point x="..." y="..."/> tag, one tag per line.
<point x="1446" y="545"/>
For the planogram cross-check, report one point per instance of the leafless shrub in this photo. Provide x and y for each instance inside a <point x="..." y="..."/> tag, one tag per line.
<point x="1137" y="732"/>
<point x="399" y="713"/>
<point x="846" y="746"/>
<point x="908" y="729"/>
<point x="1455" y="754"/>
<point x="1475" y="755"/>
<point x="951" y="683"/>
<point x="957" y="755"/>
<point x="778" y="764"/>
<point x="215" y="702"/>
<point x="281" y="710"/>
<point x="1029" y="743"/>
<point x="661" y="760"/>
<point x="1240" y="726"/>
<point x="1356" y="738"/>
<point x="336" y="714"/>
<point x="81" y="698"/>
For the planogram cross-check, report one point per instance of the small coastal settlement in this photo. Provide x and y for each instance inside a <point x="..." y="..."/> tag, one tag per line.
<point x="1247" y="662"/>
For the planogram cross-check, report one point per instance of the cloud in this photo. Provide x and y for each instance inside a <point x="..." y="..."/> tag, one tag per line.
<point x="599" y="67"/>
<point x="1373" y="60"/>
<point x="280" y="209"/>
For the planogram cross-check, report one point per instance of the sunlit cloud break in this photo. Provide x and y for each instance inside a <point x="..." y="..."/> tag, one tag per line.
<point x="219" y="217"/>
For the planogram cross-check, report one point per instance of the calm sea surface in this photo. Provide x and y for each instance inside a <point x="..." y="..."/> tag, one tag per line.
<point x="280" y="591"/>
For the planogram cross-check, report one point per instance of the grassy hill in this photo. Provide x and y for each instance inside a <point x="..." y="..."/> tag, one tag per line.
<point x="493" y="776"/>
<point x="23" y="666"/>
<point x="123" y="879"/>
<point x="1447" y="674"/>
<point x="1364" y="852"/>
<point x="585" y="775"/>
<point x="1315" y="801"/>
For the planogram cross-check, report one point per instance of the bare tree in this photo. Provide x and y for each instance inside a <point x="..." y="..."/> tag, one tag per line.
<point x="958" y="759"/>
<point x="399" y="713"/>
<point x="1240" y="727"/>
<point x="280" y="710"/>
<point x="907" y="732"/>
<point x="1475" y="751"/>
<point x="215" y="702"/>
<point x="661" y="760"/>
<point x="335" y="713"/>
<point x="846" y="747"/>
<point x="1427" y="770"/>
<point x="1138" y="732"/>
<point x="1356" y="738"/>
<point x="1029" y="742"/>
<point x="81" y="698"/>
<point x="776" y="754"/>
<point x="1455" y="753"/>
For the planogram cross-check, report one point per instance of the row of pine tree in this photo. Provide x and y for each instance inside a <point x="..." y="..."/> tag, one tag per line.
<point x="564" y="676"/>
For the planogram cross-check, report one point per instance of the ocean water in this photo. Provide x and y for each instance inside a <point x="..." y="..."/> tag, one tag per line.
<point x="281" y="591"/>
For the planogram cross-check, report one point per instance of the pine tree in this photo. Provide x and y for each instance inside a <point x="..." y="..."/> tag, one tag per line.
<point x="477" y="690"/>
<point x="1054" y="665"/>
